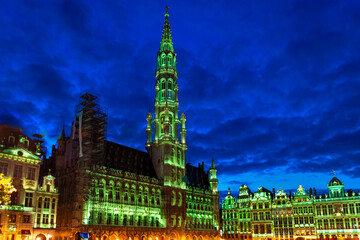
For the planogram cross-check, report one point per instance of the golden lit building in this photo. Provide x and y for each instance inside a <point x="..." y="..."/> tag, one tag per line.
<point x="29" y="215"/>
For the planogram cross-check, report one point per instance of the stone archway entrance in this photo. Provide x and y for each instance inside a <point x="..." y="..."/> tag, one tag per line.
<point x="40" y="237"/>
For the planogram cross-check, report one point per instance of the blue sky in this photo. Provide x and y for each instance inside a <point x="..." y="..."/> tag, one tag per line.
<point x="271" y="89"/>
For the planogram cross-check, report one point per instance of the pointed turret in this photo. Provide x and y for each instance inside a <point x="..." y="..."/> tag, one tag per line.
<point x="213" y="180"/>
<point x="148" y="128"/>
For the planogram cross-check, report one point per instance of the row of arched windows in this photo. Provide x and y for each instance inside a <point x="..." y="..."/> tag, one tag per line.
<point x="123" y="219"/>
<point x="199" y="223"/>
<point x="166" y="60"/>
<point x="201" y="207"/>
<point x="128" y="194"/>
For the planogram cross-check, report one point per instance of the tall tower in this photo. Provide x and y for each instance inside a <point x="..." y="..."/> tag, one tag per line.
<point x="168" y="154"/>
<point x="213" y="180"/>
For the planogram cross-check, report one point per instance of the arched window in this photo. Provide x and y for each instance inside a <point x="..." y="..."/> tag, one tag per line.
<point x="158" y="198"/>
<point x="140" y="197"/>
<point x="163" y="59"/>
<point x="118" y="191"/>
<point x="146" y="196"/>
<point x="126" y="193"/>
<point x="111" y="191"/>
<point x="132" y="194"/>
<point x="173" y="198"/>
<point x="180" y="199"/>
<point x="153" y="197"/>
<point x="101" y="188"/>
<point x="179" y="177"/>
<point x="169" y="60"/>
<point x="179" y="157"/>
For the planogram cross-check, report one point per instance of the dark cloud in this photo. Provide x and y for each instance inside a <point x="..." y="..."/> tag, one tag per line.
<point x="270" y="89"/>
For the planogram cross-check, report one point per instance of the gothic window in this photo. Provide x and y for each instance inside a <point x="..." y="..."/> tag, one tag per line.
<point x="118" y="191"/>
<point x="125" y="220"/>
<point x="108" y="220"/>
<point x="145" y="221"/>
<point x="116" y="219"/>
<point x="173" y="220"/>
<point x="179" y="177"/>
<point x="180" y="200"/>
<point x="139" y="221"/>
<point x="173" y="198"/>
<point x="179" y="157"/>
<point x="140" y="195"/>
<point x="99" y="220"/>
<point x="170" y="85"/>
<point x="163" y="60"/>
<point x="153" y="197"/>
<point x="133" y="193"/>
<point x="158" y="200"/>
<point x="163" y="86"/>
<point x="169" y="60"/>
<point x="111" y="191"/>
<point x="126" y="193"/>
<point x="101" y="188"/>
<point x="146" y="196"/>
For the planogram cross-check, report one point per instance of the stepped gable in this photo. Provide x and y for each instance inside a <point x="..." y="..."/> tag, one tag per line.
<point x="128" y="159"/>
<point x="197" y="177"/>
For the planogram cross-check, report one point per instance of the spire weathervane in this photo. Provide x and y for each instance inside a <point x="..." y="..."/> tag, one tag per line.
<point x="167" y="10"/>
<point x="334" y="172"/>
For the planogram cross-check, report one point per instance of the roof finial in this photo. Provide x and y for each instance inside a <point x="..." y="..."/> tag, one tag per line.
<point x="167" y="10"/>
<point x="229" y="191"/>
<point x="334" y="172"/>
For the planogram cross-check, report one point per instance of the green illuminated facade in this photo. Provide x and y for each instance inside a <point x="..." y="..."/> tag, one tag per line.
<point x="304" y="215"/>
<point x="108" y="190"/>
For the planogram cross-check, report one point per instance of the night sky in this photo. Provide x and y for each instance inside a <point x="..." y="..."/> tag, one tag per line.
<point x="271" y="89"/>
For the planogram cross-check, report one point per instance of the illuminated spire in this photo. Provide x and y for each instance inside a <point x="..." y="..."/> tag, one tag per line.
<point x="166" y="39"/>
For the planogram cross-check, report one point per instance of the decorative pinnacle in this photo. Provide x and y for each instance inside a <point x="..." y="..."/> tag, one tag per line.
<point x="167" y="10"/>
<point x="229" y="191"/>
<point x="334" y="172"/>
<point x="212" y="164"/>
